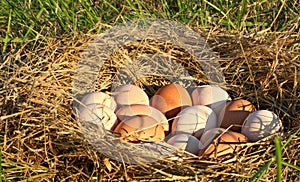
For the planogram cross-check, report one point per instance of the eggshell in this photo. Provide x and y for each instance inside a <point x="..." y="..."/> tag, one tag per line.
<point x="100" y="114"/>
<point x="225" y="144"/>
<point x="209" y="135"/>
<point x="234" y="113"/>
<point x="138" y="109"/>
<point x="194" y="120"/>
<point x="212" y="96"/>
<point x="130" y="94"/>
<point x="185" y="142"/>
<point x="98" y="98"/>
<point x="171" y="99"/>
<point x="140" y="128"/>
<point x="261" y="124"/>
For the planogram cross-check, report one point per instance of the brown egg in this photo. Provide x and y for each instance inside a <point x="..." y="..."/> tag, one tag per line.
<point x="137" y="109"/>
<point x="171" y="99"/>
<point x="130" y="94"/>
<point x="225" y="144"/>
<point x="140" y="128"/>
<point x="234" y="113"/>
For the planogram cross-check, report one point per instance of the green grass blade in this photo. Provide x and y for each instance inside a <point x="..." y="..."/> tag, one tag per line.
<point x="291" y="165"/>
<point x="290" y="138"/>
<point x="6" y="40"/>
<point x="226" y="15"/>
<point x="259" y="174"/>
<point x="33" y="24"/>
<point x="278" y="158"/>
<point x="1" y="176"/>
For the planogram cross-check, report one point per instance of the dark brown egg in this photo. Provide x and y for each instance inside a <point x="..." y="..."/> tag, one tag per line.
<point x="234" y="113"/>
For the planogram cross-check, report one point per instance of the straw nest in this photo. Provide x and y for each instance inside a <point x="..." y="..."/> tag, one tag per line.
<point x="40" y="137"/>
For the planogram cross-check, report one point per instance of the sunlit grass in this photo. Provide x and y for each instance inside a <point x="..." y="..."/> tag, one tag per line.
<point x="277" y="158"/>
<point x="27" y="20"/>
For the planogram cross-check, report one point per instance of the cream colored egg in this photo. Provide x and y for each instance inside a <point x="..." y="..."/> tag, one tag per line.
<point x="138" y="109"/>
<point x="130" y="94"/>
<point x="209" y="135"/>
<point x="212" y="96"/>
<point x="185" y="142"/>
<point x="98" y="98"/>
<point x="261" y="124"/>
<point x="194" y="120"/>
<point x="99" y="114"/>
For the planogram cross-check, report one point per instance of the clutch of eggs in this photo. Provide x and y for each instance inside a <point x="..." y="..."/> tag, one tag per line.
<point x="207" y="123"/>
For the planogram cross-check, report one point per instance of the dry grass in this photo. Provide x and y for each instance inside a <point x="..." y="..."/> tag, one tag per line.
<point x="40" y="136"/>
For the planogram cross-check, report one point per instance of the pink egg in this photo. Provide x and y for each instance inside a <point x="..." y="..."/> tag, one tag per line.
<point x="194" y="120"/>
<point x="98" y="98"/>
<point x="212" y="96"/>
<point x="98" y="114"/>
<point x="138" y="109"/>
<point x="130" y="94"/>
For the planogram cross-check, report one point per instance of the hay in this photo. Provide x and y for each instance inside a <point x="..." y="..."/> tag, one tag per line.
<point x="40" y="136"/>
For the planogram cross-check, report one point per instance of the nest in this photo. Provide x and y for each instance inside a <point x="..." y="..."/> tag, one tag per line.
<point x="41" y="139"/>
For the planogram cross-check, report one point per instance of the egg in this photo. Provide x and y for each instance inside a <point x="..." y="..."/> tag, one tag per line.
<point x="212" y="96"/>
<point x="185" y="142"/>
<point x="98" y="98"/>
<point x="194" y="120"/>
<point x="140" y="128"/>
<point x="234" y="113"/>
<point x="171" y="99"/>
<point x="98" y="114"/>
<point x="130" y="94"/>
<point x="209" y="135"/>
<point x="261" y="124"/>
<point x="225" y="144"/>
<point x="138" y="109"/>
